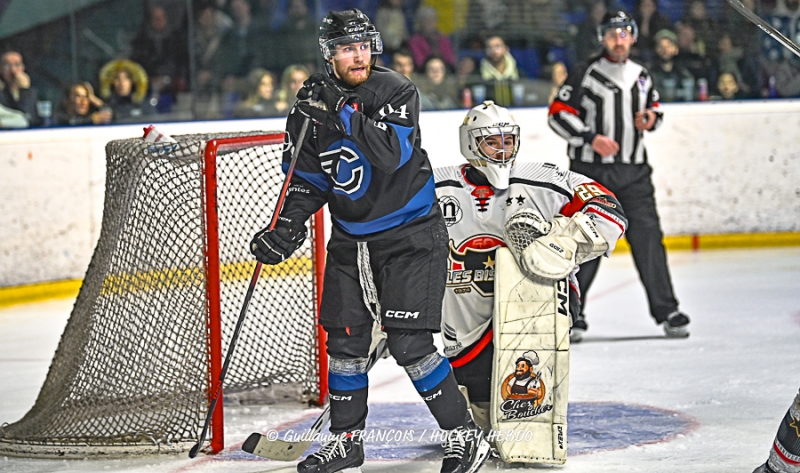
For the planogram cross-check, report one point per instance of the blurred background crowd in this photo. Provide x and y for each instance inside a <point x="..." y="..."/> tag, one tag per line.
<point x="107" y="61"/>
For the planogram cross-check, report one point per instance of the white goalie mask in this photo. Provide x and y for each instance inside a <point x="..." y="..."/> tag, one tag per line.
<point x="496" y="159"/>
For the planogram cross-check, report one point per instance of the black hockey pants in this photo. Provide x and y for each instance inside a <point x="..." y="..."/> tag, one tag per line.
<point x="633" y="186"/>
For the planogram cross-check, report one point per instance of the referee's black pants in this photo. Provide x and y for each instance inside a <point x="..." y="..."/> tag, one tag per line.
<point x="633" y="186"/>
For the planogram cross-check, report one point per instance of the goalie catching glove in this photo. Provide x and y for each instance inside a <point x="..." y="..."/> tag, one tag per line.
<point x="552" y="249"/>
<point x="273" y="247"/>
<point x="322" y="99"/>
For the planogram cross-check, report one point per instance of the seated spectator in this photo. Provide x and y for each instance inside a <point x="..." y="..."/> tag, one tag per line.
<point x="298" y="36"/>
<point x="787" y="78"/>
<point x="260" y="101"/>
<point x="742" y="32"/>
<point x="671" y="79"/>
<point x="161" y="48"/>
<point x="81" y="107"/>
<point x="241" y="47"/>
<point x="123" y="84"/>
<point x="586" y="43"/>
<point x="210" y="27"/>
<point x="428" y="41"/>
<point x="744" y="68"/>
<point x="291" y="82"/>
<point x="467" y="72"/>
<point x="728" y="87"/>
<point x="705" y="28"/>
<point x="650" y="22"/>
<point x="390" y="20"/>
<point x="437" y="90"/>
<point x="403" y="62"/>
<point x="16" y="92"/>
<point x="498" y="64"/>
<point x="690" y="55"/>
<point x="779" y="64"/>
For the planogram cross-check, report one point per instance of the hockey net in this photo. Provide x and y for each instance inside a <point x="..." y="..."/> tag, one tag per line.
<point x="160" y="301"/>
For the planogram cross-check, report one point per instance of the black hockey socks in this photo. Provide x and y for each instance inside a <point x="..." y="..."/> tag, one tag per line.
<point x="348" y="386"/>
<point x="433" y="378"/>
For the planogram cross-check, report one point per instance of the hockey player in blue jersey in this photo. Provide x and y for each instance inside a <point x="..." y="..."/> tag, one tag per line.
<point x="387" y="253"/>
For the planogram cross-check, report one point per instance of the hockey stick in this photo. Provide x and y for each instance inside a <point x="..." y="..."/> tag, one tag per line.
<point x="285" y="450"/>
<point x="766" y="27"/>
<point x="235" y="338"/>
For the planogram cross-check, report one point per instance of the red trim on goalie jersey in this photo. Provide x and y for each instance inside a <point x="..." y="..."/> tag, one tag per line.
<point x="474" y="352"/>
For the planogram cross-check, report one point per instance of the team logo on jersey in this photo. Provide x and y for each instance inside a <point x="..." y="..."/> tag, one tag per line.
<point x="451" y="210"/>
<point x="482" y="195"/>
<point x="524" y="390"/>
<point x="471" y="265"/>
<point x="349" y="170"/>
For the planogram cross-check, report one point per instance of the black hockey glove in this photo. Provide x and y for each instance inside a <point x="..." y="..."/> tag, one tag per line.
<point x="275" y="246"/>
<point x="321" y="96"/>
<point x="317" y="112"/>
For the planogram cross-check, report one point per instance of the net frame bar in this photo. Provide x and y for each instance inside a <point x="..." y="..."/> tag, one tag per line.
<point x="213" y="283"/>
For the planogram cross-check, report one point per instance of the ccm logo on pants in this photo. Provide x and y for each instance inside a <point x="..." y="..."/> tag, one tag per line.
<point x="401" y="314"/>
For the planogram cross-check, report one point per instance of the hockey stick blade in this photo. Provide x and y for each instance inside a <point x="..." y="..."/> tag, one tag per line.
<point x="765" y="26"/>
<point x="284" y="450"/>
<point x="217" y="388"/>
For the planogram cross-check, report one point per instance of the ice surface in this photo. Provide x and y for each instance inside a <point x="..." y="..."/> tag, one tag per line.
<point x="638" y="402"/>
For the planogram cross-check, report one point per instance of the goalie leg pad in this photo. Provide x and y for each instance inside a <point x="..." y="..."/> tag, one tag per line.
<point x="530" y="379"/>
<point x="785" y="454"/>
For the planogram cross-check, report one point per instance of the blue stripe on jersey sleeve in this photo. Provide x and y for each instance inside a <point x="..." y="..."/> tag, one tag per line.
<point x="419" y="206"/>
<point x="406" y="147"/>
<point x="344" y="115"/>
<point x="316" y="179"/>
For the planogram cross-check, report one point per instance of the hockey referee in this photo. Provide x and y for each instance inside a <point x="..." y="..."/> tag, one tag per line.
<point x="602" y="110"/>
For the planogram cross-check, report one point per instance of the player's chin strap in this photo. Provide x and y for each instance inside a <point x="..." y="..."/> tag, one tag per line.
<point x="367" y="281"/>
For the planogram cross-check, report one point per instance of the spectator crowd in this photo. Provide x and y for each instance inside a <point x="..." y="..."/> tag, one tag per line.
<point x="247" y="58"/>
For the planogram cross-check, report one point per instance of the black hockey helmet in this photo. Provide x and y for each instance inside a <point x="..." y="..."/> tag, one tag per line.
<point x="347" y="26"/>
<point x="617" y="19"/>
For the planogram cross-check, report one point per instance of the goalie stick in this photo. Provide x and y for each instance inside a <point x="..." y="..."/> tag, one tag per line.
<point x="765" y="26"/>
<point x="217" y="391"/>
<point x="284" y="450"/>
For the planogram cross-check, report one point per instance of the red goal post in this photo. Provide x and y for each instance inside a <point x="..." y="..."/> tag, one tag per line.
<point x="144" y="342"/>
<point x="213" y="147"/>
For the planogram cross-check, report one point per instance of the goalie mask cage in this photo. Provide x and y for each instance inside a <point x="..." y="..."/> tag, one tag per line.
<point x="144" y="343"/>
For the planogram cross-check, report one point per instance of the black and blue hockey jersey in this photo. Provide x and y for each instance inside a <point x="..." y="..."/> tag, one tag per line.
<point x="376" y="177"/>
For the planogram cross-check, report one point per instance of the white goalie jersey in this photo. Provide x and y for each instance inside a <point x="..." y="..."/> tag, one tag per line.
<point x="475" y="215"/>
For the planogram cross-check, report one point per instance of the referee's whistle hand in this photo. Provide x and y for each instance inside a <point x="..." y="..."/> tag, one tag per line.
<point x="605" y="146"/>
<point x="644" y="120"/>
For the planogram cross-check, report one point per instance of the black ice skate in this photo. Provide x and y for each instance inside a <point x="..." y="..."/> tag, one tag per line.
<point x="344" y="452"/>
<point x="465" y="449"/>
<point x="676" y="325"/>
<point x="578" y="329"/>
<point x="764" y="469"/>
